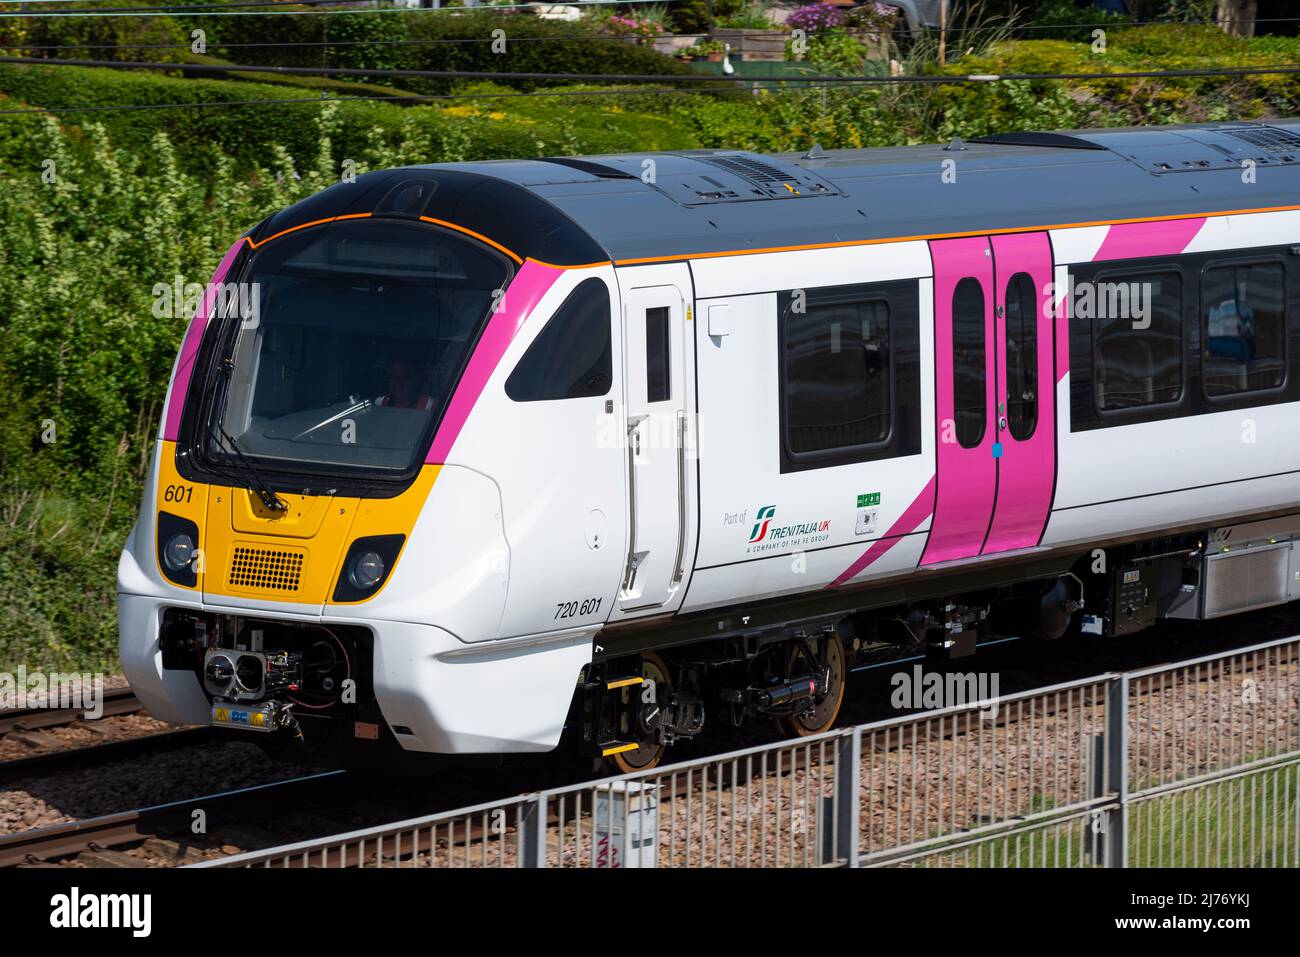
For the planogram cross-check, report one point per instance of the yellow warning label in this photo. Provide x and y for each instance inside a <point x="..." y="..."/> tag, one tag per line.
<point x="221" y="714"/>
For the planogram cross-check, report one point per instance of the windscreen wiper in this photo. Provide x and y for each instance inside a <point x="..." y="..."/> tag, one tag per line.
<point x="358" y="405"/>
<point x="256" y="484"/>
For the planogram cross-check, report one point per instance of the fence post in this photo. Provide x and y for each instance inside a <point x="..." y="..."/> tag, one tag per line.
<point x="532" y="826"/>
<point x="1094" y="848"/>
<point x="838" y="820"/>
<point x="1117" y="770"/>
<point x="850" y="794"/>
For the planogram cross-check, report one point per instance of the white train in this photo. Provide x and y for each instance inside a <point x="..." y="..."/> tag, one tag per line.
<point x="492" y="452"/>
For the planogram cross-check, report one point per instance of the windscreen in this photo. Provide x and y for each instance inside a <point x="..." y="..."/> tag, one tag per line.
<point x="359" y="334"/>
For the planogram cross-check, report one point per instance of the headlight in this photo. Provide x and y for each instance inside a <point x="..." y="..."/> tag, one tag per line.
<point x="366" y="570"/>
<point x="367" y="565"/>
<point x="177" y="544"/>
<point x="178" y="552"/>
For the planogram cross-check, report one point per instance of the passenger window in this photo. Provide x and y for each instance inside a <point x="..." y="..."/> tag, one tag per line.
<point x="572" y="357"/>
<point x="1022" y="357"/>
<point x="970" y="395"/>
<point x="1139" y="340"/>
<point x="658" y="385"/>
<point x="837" y="371"/>
<point x="1243" y="310"/>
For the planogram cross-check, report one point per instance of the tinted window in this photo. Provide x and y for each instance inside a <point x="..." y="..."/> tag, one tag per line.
<point x="1244" y="315"/>
<point x="657" y="341"/>
<point x="837" y="376"/>
<point x="1139" y="335"/>
<point x="360" y="336"/>
<point x="970" y="397"/>
<point x="571" y="356"/>
<point x="1022" y="357"/>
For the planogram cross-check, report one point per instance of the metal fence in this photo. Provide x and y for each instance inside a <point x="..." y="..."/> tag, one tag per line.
<point x="1191" y="764"/>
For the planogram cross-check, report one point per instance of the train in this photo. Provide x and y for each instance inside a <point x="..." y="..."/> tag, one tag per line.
<point x="473" y="459"/>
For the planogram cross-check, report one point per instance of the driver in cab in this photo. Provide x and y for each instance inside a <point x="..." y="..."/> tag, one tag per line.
<point x="403" y="388"/>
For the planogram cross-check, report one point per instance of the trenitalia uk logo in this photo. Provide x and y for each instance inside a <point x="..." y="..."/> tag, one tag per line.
<point x="764" y="516"/>
<point x="766" y="535"/>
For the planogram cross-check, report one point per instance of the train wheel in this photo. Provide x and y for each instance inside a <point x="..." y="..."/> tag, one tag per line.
<point x="831" y="650"/>
<point x="649" y="750"/>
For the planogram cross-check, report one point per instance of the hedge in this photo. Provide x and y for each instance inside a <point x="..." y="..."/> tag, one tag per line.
<point x="444" y="41"/>
<point x="495" y="126"/>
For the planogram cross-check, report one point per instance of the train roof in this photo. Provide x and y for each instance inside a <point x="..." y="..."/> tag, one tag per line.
<point x="657" y="206"/>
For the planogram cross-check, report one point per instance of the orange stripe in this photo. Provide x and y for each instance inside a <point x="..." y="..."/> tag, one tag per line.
<point x="603" y="262"/>
<point x="437" y="222"/>
<point x="929" y="236"/>
<point x="294" y="229"/>
<point x="469" y="232"/>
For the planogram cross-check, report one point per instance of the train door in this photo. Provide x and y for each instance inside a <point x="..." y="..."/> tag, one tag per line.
<point x="1026" y="393"/>
<point x="996" y="448"/>
<point x="659" y="480"/>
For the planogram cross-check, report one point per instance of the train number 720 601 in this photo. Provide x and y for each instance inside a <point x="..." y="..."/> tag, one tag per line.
<point x="580" y="609"/>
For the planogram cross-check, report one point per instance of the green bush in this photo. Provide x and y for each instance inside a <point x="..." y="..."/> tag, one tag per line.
<point x="460" y="42"/>
<point x="155" y="39"/>
<point x="1069" y="20"/>
<point x="836" y="52"/>
<point x="506" y="127"/>
<point x="692" y="16"/>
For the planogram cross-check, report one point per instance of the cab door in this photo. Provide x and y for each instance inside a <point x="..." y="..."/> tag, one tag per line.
<point x="660" y="468"/>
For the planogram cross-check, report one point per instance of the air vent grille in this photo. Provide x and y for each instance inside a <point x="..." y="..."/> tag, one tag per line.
<point x="754" y="170"/>
<point x="266" y="569"/>
<point x="1268" y="138"/>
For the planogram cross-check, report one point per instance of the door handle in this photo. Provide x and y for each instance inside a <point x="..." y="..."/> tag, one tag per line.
<point x="678" y="569"/>
<point x="633" y="448"/>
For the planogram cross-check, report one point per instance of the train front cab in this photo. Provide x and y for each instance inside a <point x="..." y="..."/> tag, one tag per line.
<point x="327" y="553"/>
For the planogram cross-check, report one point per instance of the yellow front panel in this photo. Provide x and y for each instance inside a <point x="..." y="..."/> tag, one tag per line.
<point x="292" y="556"/>
<point x="180" y="496"/>
<point x="263" y="554"/>
<point x="392" y="516"/>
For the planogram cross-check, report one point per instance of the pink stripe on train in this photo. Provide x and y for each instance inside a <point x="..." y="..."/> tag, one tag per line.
<point x="1134" y="240"/>
<point x="916" y="513"/>
<point x="525" y="291"/>
<point x="190" y="348"/>
<point x="1128" y="241"/>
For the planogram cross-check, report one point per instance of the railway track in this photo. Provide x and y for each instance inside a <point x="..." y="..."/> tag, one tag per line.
<point x="45" y="844"/>
<point x="33" y="724"/>
<point x="64" y="759"/>
<point x="117" y="702"/>
<point x="1022" y="671"/>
